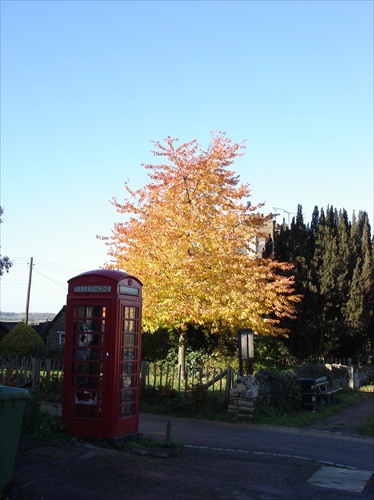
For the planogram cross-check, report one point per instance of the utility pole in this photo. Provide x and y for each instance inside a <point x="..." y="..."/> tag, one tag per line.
<point x="28" y="291"/>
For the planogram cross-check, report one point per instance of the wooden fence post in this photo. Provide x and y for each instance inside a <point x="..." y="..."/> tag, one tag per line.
<point x="228" y="381"/>
<point x="48" y="366"/>
<point x="143" y="373"/>
<point x="35" y="374"/>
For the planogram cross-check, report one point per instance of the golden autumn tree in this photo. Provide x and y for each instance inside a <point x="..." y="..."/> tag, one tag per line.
<point x="187" y="236"/>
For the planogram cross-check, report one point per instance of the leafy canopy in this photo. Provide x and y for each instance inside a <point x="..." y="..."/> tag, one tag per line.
<point x="187" y="235"/>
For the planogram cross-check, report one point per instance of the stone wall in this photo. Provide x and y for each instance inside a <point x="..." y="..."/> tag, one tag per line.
<point x="243" y="396"/>
<point x="351" y="376"/>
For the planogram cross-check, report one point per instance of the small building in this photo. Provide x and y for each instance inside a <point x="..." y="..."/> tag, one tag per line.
<point x="258" y="243"/>
<point x="54" y="333"/>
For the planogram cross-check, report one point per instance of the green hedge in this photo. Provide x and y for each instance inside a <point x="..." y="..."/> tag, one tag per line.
<point x="279" y="391"/>
<point x="22" y="341"/>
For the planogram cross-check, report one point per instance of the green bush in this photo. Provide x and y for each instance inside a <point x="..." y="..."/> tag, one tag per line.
<point x="279" y="391"/>
<point x="22" y="341"/>
<point x="160" y="395"/>
<point x="51" y="388"/>
<point x="195" y="402"/>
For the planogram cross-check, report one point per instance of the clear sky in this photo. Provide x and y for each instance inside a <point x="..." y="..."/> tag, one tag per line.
<point x="86" y="85"/>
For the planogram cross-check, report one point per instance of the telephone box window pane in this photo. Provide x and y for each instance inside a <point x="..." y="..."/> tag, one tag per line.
<point x="87" y="382"/>
<point x="129" y="326"/>
<point x="129" y="340"/>
<point x="127" y="410"/>
<point x="82" y="353"/>
<point x="95" y="325"/>
<point x="96" y="311"/>
<point x="93" y="368"/>
<point x="130" y="312"/>
<point x="127" y="381"/>
<point x="127" y="396"/>
<point x="81" y="368"/>
<point x="88" y="312"/>
<point x="128" y="368"/>
<point x="80" y="312"/>
<point x="128" y="354"/>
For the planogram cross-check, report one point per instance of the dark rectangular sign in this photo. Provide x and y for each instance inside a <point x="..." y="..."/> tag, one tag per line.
<point x="92" y="289"/>
<point x="128" y="290"/>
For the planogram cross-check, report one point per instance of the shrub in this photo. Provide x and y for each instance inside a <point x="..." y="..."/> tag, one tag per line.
<point x="51" y="388"/>
<point x="279" y="391"/>
<point x="22" y="341"/>
<point x="196" y="401"/>
<point x="160" y="395"/>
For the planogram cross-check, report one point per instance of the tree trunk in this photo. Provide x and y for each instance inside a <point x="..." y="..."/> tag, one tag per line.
<point x="182" y="353"/>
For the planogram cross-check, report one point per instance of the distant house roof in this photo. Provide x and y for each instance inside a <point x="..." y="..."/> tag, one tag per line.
<point x="41" y="328"/>
<point x="4" y="329"/>
<point x="8" y="325"/>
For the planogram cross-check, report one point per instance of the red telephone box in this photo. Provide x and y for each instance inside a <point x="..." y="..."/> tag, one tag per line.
<point x="102" y="354"/>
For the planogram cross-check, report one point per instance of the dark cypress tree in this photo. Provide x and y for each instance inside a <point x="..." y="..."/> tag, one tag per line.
<point x="295" y="244"/>
<point x="359" y="309"/>
<point x="315" y="222"/>
<point x="333" y="267"/>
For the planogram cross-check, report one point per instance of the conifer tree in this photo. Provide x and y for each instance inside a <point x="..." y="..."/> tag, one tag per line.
<point x="334" y="273"/>
<point x="359" y="309"/>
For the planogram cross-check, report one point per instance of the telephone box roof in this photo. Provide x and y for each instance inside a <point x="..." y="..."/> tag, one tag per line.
<point x="112" y="274"/>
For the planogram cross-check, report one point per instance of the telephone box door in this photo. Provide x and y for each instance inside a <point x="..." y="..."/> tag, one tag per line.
<point x="89" y="345"/>
<point x="129" y="360"/>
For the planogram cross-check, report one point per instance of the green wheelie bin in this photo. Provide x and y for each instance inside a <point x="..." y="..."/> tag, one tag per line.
<point x="12" y="405"/>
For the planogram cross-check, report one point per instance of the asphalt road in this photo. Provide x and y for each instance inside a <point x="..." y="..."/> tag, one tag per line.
<point x="325" y="447"/>
<point x="220" y="461"/>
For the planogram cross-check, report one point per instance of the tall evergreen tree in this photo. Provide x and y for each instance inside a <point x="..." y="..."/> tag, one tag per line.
<point x="295" y="244"/>
<point x="333" y="269"/>
<point x="359" y="310"/>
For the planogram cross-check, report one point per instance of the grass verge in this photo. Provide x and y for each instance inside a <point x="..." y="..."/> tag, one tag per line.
<point x="305" y="417"/>
<point x="367" y="429"/>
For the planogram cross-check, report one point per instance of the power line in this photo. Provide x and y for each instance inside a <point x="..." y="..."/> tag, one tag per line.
<point x="46" y="264"/>
<point x="56" y="282"/>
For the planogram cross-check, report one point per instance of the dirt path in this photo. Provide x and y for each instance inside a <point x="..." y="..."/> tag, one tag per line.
<point x="349" y="420"/>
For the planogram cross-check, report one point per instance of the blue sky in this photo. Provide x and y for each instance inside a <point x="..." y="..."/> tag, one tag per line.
<point x="85" y="87"/>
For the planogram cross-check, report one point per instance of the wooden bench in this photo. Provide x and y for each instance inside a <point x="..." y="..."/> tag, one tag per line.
<point x="324" y="393"/>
